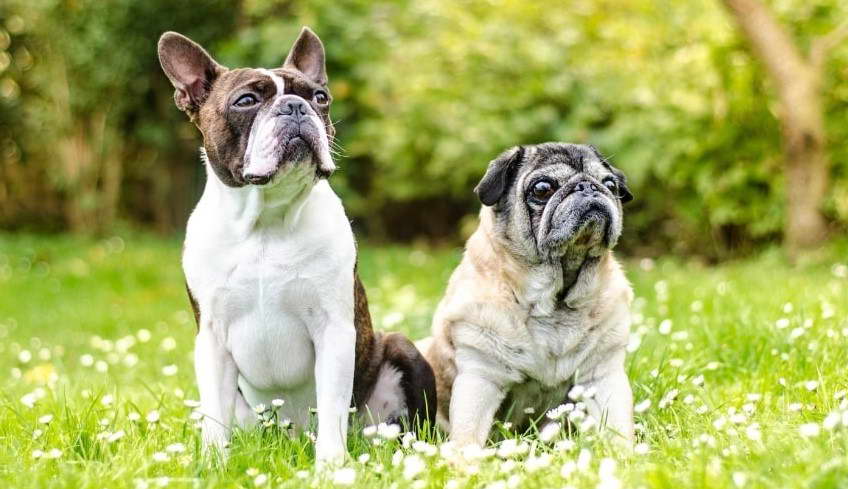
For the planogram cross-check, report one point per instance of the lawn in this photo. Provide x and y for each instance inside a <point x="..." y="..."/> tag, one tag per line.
<point x="740" y="373"/>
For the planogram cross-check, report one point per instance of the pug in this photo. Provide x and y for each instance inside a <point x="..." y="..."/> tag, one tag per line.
<point x="538" y="304"/>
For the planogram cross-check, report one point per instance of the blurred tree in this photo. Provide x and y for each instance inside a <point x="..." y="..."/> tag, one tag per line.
<point x="97" y="117"/>
<point x="426" y="92"/>
<point x="665" y="87"/>
<point x="799" y="83"/>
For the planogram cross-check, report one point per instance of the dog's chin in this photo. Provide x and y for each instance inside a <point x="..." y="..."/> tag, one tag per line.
<point x="297" y="151"/>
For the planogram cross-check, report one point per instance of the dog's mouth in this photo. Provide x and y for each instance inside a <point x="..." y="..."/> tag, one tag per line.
<point x="292" y="151"/>
<point x="591" y="228"/>
<point x="280" y="142"/>
<point x="584" y="224"/>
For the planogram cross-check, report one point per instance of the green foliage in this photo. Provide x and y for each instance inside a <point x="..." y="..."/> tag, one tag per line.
<point x="98" y="132"/>
<point x="426" y="93"/>
<point x="669" y="91"/>
<point x="102" y="329"/>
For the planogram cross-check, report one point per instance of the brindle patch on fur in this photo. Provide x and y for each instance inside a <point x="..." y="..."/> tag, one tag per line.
<point x="418" y="381"/>
<point x="368" y="356"/>
<point x="375" y="349"/>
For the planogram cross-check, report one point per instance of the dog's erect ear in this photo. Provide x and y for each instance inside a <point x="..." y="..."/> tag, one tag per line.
<point x="623" y="192"/>
<point x="307" y="56"/>
<point x="190" y="69"/>
<point x="499" y="175"/>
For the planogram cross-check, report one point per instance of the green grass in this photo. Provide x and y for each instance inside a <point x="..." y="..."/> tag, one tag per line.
<point x="75" y="314"/>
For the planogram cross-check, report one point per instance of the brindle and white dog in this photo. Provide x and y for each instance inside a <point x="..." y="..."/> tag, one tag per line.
<point x="270" y="258"/>
<point x="538" y="303"/>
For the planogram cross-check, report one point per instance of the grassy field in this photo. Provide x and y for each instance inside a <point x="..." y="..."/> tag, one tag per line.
<point x="739" y="372"/>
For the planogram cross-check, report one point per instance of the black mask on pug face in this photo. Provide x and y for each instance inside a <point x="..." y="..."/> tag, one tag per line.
<point x="555" y="201"/>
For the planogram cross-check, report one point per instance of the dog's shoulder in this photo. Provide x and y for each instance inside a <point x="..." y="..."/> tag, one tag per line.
<point x="479" y="308"/>
<point x="475" y="299"/>
<point x="614" y="295"/>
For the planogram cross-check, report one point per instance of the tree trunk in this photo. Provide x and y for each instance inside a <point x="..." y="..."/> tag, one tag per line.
<point x="798" y="82"/>
<point x="807" y="169"/>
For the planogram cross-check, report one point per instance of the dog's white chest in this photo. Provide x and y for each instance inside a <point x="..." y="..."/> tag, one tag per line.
<point x="267" y="290"/>
<point x="557" y="345"/>
<point x="263" y="303"/>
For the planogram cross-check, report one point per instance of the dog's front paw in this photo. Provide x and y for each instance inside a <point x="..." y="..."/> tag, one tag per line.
<point x="622" y="442"/>
<point x="327" y="457"/>
<point x="216" y="440"/>
<point x="464" y="457"/>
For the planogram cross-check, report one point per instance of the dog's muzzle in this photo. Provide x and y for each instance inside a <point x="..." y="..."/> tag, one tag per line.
<point x="287" y="132"/>
<point x="585" y="218"/>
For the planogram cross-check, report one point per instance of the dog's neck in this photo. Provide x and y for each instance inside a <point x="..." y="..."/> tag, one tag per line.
<point x="567" y="282"/>
<point x="576" y="260"/>
<point x="251" y="207"/>
<point x="572" y="264"/>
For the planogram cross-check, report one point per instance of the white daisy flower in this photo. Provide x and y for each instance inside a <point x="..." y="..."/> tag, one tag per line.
<point x="809" y="430"/>
<point x="412" y="466"/>
<point x="344" y="477"/>
<point x="642" y="406"/>
<point x="175" y="448"/>
<point x="549" y="432"/>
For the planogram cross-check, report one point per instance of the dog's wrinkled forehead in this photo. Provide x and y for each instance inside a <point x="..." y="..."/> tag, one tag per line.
<point x="268" y="84"/>
<point x="562" y="160"/>
<point x="508" y="174"/>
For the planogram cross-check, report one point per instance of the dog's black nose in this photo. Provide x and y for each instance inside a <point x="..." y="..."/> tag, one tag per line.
<point x="586" y="187"/>
<point x="257" y="179"/>
<point x="294" y="107"/>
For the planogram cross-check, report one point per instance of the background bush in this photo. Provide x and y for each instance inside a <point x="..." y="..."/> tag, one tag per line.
<point x="427" y="92"/>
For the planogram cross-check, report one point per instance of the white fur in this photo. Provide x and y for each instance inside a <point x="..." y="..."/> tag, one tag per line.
<point x="387" y="400"/>
<point x="279" y="83"/>
<point x="325" y="160"/>
<point x="271" y="269"/>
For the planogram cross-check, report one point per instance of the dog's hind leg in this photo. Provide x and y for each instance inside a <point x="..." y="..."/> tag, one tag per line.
<point x="405" y="386"/>
<point x="245" y="416"/>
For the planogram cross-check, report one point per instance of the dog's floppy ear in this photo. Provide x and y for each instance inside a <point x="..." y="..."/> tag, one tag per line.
<point x="307" y="56"/>
<point x="623" y="192"/>
<point x="190" y="69"/>
<point x="499" y="175"/>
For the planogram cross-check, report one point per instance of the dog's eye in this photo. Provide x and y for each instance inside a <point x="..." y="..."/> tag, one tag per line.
<point x="320" y="97"/>
<point x="612" y="185"/>
<point x="246" y="100"/>
<point x="542" y="190"/>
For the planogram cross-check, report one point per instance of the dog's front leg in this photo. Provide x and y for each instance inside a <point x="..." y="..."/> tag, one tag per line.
<point x="613" y="399"/>
<point x="217" y="381"/>
<point x="334" y="365"/>
<point x="475" y="398"/>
